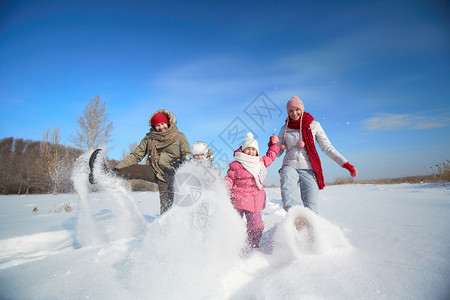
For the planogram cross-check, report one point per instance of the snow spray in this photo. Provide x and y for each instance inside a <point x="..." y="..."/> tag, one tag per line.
<point x="303" y="232"/>
<point x="122" y="221"/>
<point x="195" y="242"/>
<point x="87" y="234"/>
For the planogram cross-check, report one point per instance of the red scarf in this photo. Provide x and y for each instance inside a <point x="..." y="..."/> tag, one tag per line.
<point x="309" y="146"/>
<point x="294" y="124"/>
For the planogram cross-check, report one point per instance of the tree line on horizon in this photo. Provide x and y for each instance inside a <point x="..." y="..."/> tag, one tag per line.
<point x="30" y="167"/>
<point x="35" y="167"/>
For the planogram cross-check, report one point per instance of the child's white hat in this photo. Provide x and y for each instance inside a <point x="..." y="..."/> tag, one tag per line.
<point x="199" y="148"/>
<point x="250" y="142"/>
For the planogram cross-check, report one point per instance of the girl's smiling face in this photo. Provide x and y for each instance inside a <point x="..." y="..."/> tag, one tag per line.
<point x="295" y="113"/>
<point x="250" y="151"/>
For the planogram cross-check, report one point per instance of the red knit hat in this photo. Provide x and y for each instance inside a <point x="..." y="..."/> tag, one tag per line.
<point x="159" y="118"/>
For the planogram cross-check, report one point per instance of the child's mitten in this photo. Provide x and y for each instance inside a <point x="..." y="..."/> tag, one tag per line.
<point x="273" y="140"/>
<point x="352" y="169"/>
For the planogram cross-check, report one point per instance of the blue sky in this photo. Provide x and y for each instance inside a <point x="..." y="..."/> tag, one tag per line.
<point x="375" y="74"/>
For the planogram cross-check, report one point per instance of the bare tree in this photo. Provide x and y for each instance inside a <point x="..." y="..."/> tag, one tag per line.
<point x="18" y="168"/>
<point x="6" y="166"/>
<point x="55" y="161"/>
<point x="131" y="148"/>
<point x="31" y="176"/>
<point x="94" y="127"/>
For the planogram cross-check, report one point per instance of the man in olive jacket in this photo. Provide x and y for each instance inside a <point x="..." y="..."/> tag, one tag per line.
<point x="165" y="147"/>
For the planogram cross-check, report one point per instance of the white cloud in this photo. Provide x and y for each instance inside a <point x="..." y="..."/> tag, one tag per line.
<point x="422" y="120"/>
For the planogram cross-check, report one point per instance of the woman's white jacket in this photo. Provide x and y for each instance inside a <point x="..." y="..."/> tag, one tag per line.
<point x="297" y="157"/>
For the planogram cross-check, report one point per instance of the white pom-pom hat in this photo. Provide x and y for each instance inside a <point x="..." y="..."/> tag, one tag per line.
<point x="250" y="142"/>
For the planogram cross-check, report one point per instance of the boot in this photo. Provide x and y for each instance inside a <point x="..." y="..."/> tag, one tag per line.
<point x="92" y="160"/>
<point x="254" y="236"/>
<point x="302" y="222"/>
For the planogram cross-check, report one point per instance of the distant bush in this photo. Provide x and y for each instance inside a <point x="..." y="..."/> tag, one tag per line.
<point x="442" y="171"/>
<point x="342" y="180"/>
<point x="439" y="173"/>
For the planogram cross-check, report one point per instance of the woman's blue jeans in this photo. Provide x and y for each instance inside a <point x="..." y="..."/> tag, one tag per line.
<point x="309" y="190"/>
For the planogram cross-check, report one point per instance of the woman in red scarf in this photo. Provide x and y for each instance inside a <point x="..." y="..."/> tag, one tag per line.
<point x="301" y="164"/>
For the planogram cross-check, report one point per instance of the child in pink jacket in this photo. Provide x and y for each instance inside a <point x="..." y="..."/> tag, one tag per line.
<point x="245" y="179"/>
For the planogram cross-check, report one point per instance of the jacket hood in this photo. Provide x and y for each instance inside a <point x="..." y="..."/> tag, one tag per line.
<point x="237" y="150"/>
<point x="170" y="116"/>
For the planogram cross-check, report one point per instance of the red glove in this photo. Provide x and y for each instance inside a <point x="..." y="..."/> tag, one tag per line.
<point x="352" y="169"/>
<point x="273" y="140"/>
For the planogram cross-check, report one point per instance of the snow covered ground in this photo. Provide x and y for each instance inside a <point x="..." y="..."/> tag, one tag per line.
<point x="368" y="242"/>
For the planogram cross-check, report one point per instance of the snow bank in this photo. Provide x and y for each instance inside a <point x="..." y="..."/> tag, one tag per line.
<point x="24" y="249"/>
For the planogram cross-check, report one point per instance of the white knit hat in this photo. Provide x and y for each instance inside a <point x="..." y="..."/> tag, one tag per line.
<point x="199" y="148"/>
<point x="250" y="142"/>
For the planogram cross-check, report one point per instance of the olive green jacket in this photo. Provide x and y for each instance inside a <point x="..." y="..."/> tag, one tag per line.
<point x="174" y="152"/>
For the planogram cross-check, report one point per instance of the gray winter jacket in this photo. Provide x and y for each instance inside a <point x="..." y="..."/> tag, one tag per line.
<point x="297" y="157"/>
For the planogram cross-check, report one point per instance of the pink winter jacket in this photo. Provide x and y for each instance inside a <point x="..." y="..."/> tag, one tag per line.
<point x="243" y="189"/>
